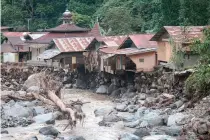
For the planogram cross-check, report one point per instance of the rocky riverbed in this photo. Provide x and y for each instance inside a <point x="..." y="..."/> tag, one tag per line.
<point x="146" y="106"/>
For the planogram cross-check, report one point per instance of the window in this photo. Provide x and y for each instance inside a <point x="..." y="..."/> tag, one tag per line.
<point x="141" y="60"/>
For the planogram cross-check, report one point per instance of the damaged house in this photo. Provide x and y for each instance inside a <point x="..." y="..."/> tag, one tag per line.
<point x="173" y="39"/>
<point x="135" y="54"/>
<point x="92" y="55"/>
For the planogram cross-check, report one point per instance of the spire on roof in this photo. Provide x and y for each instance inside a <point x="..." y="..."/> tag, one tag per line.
<point x="67" y="16"/>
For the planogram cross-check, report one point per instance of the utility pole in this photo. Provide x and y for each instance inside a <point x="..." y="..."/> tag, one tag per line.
<point x="28" y="24"/>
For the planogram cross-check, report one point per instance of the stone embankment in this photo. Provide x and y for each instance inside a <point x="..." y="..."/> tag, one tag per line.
<point x="154" y="105"/>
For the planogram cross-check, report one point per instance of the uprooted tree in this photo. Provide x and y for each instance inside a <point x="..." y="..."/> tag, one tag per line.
<point x="45" y="87"/>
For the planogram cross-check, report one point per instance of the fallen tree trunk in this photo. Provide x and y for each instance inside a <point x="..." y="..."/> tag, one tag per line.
<point x="47" y="89"/>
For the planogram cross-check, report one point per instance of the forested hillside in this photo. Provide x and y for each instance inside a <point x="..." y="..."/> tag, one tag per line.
<point x="114" y="16"/>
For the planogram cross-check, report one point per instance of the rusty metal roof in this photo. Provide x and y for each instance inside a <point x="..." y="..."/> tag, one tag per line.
<point x="73" y="44"/>
<point x="67" y="28"/>
<point x="5" y="27"/>
<point x="47" y="38"/>
<point x="48" y="54"/>
<point x="180" y="33"/>
<point x="143" y="40"/>
<point x="95" y="31"/>
<point x="126" y="51"/>
<point x="117" y="39"/>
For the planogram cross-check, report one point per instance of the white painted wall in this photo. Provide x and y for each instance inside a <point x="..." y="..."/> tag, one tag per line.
<point x="36" y="52"/>
<point x="10" y="57"/>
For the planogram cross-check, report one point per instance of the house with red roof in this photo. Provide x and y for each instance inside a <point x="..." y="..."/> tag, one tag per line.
<point x="115" y="53"/>
<point x="92" y="55"/>
<point x="6" y="29"/>
<point x="172" y="39"/>
<point x="15" y="49"/>
<point x="66" y="30"/>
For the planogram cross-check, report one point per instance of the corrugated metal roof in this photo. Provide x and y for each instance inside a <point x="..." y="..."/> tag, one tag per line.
<point x="117" y="39"/>
<point x="143" y="40"/>
<point x="48" y="54"/>
<point x="179" y="33"/>
<point x="47" y="38"/>
<point x="72" y="44"/>
<point x="14" y="34"/>
<point x="5" y="27"/>
<point x="67" y="28"/>
<point x="126" y="51"/>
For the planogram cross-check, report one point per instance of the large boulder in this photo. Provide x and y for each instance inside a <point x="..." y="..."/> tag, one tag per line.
<point x="43" y="118"/>
<point x="129" y="136"/>
<point x="175" y="118"/>
<point x="49" y="130"/>
<point x="111" y="118"/>
<point x="18" y="111"/>
<point x="103" y="89"/>
<point x="103" y="111"/>
<point x="153" y="118"/>
<point x="142" y="132"/>
<point x="121" y="107"/>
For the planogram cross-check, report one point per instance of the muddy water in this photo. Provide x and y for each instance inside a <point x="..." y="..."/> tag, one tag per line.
<point x="90" y="131"/>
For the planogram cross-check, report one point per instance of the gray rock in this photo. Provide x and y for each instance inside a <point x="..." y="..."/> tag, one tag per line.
<point x="202" y="129"/>
<point x="33" y="138"/>
<point x="103" y="111"/>
<point x="153" y="118"/>
<point x="129" y="136"/>
<point x="80" y="84"/>
<point x="142" y="132"/>
<point x="116" y="92"/>
<point x="43" y="118"/>
<point x="74" y="138"/>
<point x="132" y="108"/>
<point x="144" y="124"/>
<point x="159" y="137"/>
<point x="103" y="89"/>
<point x="140" y="112"/>
<point x="49" y="130"/>
<point x="179" y="103"/>
<point x="111" y="118"/>
<point x="50" y="121"/>
<point x="4" y="131"/>
<point x="129" y="95"/>
<point x="152" y="91"/>
<point x="175" y="118"/>
<point x="129" y="118"/>
<point x="142" y="96"/>
<point x="121" y="107"/>
<point x="18" y="111"/>
<point x="111" y="88"/>
<point x="132" y="124"/>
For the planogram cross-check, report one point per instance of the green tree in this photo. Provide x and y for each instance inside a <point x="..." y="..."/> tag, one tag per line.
<point x="198" y="84"/>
